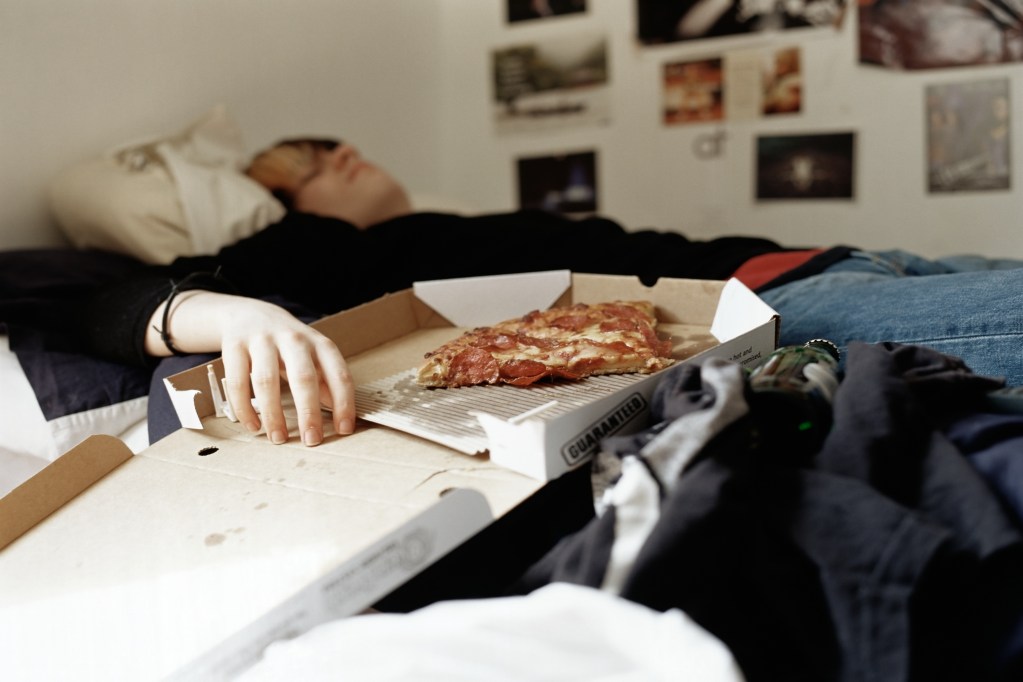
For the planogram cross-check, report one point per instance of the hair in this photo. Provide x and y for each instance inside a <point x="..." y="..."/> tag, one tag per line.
<point x="282" y="167"/>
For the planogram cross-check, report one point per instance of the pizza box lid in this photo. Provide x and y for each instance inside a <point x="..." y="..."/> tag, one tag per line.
<point x="186" y="560"/>
<point x="385" y="340"/>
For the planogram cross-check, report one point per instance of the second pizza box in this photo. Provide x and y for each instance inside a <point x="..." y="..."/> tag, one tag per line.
<point x="185" y="561"/>
<point x="541" y="430"/>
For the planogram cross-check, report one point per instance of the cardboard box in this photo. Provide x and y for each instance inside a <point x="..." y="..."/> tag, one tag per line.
<point x="540" y="433"/>
<point x="186" y="560"/>
<point x="175" y="564"/>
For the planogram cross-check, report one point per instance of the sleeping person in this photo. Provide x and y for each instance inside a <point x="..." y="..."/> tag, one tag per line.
<point x="351" y="235"/>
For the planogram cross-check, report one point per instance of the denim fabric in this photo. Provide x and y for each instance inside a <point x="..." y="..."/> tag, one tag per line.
<point x="966" y="306"/>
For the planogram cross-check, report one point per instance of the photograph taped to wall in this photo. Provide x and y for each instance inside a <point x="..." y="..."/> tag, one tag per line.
<point x="783" y="82"/>
<point x="968" y="136"/>
<point x="524" y="10"/>
<point x="694" y="91"/>
<point x="940" y="33"/>
<point x="561" y="183"/>
<point x="809" y="166"/>
<point x="669" y="21"/>
<point x="741" y="85"/>
<point x="560" y="83"/>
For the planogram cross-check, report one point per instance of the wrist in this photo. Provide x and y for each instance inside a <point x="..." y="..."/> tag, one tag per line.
<point x="185" y="323"/>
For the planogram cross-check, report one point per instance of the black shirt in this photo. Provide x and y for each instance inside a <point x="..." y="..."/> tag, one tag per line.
<point x="323" y="265"/>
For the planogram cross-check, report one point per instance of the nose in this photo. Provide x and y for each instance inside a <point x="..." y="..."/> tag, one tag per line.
<point x="342" y="154"/>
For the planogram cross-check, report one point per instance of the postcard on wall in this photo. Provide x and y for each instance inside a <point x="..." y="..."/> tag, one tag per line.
<point x="968" y="136"/>
<point x="560" y="83"/>
<point x="939" y="33"/>
<point x="782" y="82"/>
<point x="810" y="166"/>
<point x="741" y="85"/>
<point x="561" y="183"/>
<point x="744" y="84"/>
<point x="669" y="21"/>
<point x="525" y="10"/>
<point x="694" y="91"/>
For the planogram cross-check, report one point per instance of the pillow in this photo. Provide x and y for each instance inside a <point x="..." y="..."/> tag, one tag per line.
<point x="181" y="194"/>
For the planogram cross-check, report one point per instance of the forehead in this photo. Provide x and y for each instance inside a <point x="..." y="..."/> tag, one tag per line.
<point x="298" y="164"/>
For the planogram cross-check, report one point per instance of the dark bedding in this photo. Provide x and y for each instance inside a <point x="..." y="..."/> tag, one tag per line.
<point x="40" y="290"/>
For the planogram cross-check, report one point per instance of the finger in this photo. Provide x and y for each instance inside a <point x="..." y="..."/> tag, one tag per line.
<point x="266" y="385"/>
<point x="338" y="385"/>
<point x="237" y="386"/>
<point x="304" y="381"/>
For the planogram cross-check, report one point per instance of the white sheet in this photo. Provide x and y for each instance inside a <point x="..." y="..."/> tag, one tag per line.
<point x="561" y="632"/>
<point x="28" y="442"/>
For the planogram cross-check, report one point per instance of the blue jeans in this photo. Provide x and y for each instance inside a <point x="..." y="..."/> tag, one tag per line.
<point x="967" y="306"/>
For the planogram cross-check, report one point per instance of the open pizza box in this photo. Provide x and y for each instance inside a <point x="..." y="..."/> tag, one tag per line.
<point x="186" y="560"/>
<point x="541" y="430"/>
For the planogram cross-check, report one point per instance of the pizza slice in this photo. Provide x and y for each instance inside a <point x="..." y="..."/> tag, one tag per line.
<point x="572" y="342"/>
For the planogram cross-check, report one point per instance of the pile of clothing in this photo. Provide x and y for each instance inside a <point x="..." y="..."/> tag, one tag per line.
<point x="891" y="551"/>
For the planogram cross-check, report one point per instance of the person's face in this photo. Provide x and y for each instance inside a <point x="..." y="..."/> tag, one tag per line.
<point x="344" y="185"/>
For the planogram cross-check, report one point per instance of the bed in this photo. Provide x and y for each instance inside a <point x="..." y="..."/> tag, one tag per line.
<point x="763" y="625"/>
<point x="54" y="395"/>
<point x="141" y="202"/>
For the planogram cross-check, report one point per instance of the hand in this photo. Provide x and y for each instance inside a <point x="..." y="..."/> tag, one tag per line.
<point x="263" y="344"/>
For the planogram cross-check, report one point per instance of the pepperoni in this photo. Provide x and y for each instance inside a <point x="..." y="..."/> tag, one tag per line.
<point x="526" y="372"/>
<point x="572" y="322"/>
<point x="473" y="366"/>
<point x="539" y="342"/>
<point x="495" y="342"/>
<point x="523" y="372"/>
<point x="522" y="368"/>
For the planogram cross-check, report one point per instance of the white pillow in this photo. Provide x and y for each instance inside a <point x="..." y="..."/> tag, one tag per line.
<point x="175" y="195"/>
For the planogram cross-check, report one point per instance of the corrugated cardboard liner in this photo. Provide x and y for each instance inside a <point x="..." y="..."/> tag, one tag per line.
<point x="542" y="430"/>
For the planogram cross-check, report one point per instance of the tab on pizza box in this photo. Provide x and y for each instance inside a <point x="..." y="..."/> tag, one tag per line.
<point x="480" y="301"/>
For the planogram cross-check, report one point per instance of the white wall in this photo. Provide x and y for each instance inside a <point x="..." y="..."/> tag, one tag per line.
<point x="409" y="81"/>
<point x="79" y="76"/>
<point x="650" y="177"/>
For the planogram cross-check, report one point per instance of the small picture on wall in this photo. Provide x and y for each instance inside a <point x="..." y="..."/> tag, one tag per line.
<point x="560" y="183"/>
<point x="783" y="82"/>
<point x="524" y="10"/>
<point x="811" y="166"/>
<point x="560" y="83"/>
<point x="693" y="91"/>
<point x="669" y="21"/>
<point x="940" y="33"/>
<point x="968" y="136"/>
<point x="740" y="85"/>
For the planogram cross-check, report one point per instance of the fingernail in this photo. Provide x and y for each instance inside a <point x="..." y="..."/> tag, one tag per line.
<point x="278" y="437"/>
<point x="253" y="425"/>
<point x="345" y="426"/>
<point x="312" y="436"/>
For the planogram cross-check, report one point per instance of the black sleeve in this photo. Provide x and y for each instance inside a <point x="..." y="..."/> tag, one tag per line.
<point x="113" y="321"/>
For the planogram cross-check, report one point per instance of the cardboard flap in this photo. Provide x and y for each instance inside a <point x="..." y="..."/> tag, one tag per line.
<point x="738" y="310"/>
<point x="184" y="405"/>
<point x="480" y="301"/>
<point x="59" y="482"/>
